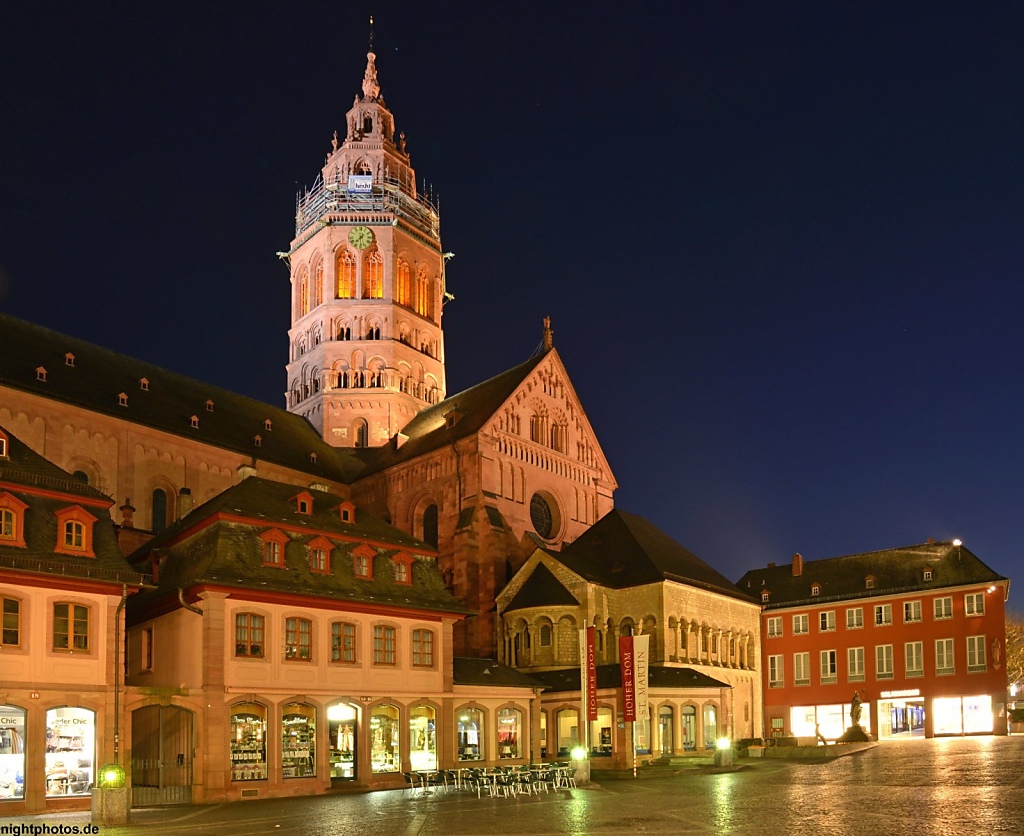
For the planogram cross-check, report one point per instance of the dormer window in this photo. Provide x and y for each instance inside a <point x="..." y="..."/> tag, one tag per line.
<point x="320" y="549"/>
<point x="74" y="531"/>
<point x="928" y="574"/>
<point x="3" y="446"/>
<point x="312" y="457"/>
<point x="362" y="562"/>
<point x="452" y="418"/>
<point x="815" y="589"/>
<point x="122" y="399"/>
<point x="273" y="547"/>
<point x="209" y="406"/>
<point x="69" y="359"/>
<point x="195" y="421"/>
<point x="267" y="425"/>
<point x="257" y="441"/>
<point x="144" y="384"/>
<point x="12" y="520"/>
<point x="869" y="582"/>
<point x="765" y="595"/>
<point x="403" y="568"/>
<point x="41" y="374"/>
<point x="347" y="511"/>
<point x="303" y="503"/>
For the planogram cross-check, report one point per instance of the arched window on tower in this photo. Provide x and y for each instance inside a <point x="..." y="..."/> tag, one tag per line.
<point x="422" y="292"/>
<point x="373" y="276"/>
<point x="346" y="275"/>
<point x="318" y="284"/>
<point x="303" y="294"/>
<point x="362" y="433"/>
<point x="158" y="511"/>
<point x="403" y="288"/>
<point x="430" y="525"/>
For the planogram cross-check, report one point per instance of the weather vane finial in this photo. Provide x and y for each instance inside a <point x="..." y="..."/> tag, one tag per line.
<point x="371" y="33"/>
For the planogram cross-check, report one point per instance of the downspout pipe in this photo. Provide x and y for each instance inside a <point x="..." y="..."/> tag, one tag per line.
<point x="117" y="671"/>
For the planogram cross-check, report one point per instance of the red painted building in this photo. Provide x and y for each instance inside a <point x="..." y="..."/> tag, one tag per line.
<point x="917" y="633"/>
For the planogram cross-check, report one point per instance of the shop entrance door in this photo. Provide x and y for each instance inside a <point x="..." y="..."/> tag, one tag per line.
<point x="162" y="752"/>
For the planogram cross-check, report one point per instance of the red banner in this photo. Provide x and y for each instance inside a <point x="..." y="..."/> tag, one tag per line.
<point x="591" y="670"/>
<point x="627" y="663"/>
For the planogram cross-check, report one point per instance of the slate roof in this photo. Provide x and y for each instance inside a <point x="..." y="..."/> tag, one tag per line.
<point x="99" y="376"/>
<point x="468" y="671"/>
<point x="23" y="473"/>
<point x="429" y="430"/>
<point x="542" y="589"/>
<point x="230" y="553"/>
<point x="610" y="676"/>
<point x="894" y="570"/>
<point x="622" y="550"/>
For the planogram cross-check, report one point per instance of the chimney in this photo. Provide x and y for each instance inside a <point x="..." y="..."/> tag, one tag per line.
<point x="771" y="565"/>
<point x="184" y="502"/>
<point x="798" y="565"/>
<point x="244" y="471"/>
<point x="127" y="513"/>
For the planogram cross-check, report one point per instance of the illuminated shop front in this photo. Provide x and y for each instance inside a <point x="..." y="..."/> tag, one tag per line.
<point x="510" y="723"/>
<point x="422" y="738"/>
<point x="12" y="752"/>
<point x="70" y="750"/>
<point x="601" y="733"/>
<point x="568" y="731"/>
<point x="901" y="714"/>
<point x="962" y="715"/>
<point x="341" y="730"/>
<point x="471" y="745"/>
<point x="384" y="751"/>
<point x="832" y="720"/>
<point x="248" y="742"/>
<point x="298" y="741"/>
<point x="689" y="728"/>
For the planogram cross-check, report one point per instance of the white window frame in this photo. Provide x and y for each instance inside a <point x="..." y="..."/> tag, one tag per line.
<point x="974" y="604"/>
<point x="913" y="657"/>
<point x="883" y="661"/>
<point x="883" y="615"/>
<point x="855" y="664"/>
<point x="776" y="671"/>
<point x="827" y="621"/>
<point x="942" y="608"/>
<point x="855" y="618"/>
<point x="774" y="627"/>
<point x="829" y="667"/>
<point x="802" y="668"/>
<point x="976" y="658"/>
<point x="912" y="613"/>
<point x="945" y="663"/>
<point x="801" y="625"/>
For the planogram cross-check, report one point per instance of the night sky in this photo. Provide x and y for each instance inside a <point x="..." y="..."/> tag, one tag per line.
<point x="780" y="243"/>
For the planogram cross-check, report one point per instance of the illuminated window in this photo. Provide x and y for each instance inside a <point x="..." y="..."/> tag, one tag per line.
<point x="248" y="635"/>
<point x="3" y="446"/>
<point x="373" y="276"/>
<point x="974" y="603"/>
<point x="775" y="627"/>
<point x="775" y="672"/>
<point x="883" y="615"/>
<point x="343" y="642"/>
<point x="346" y="277"/>
<point x="383" y="645"/>
<point x="827" y="621"/>
<point x="10" y="626"/>
<point x="928" y="574"/>
<point x="944" y="657"/>
<point x="298" y="639"/>
<point x="422" y="648"/>
<point x="422" y="292"/>
<point x="70" y="627"/>
<point x="801" y="625"/>
<point x="318" y="284"/>
<point x="801" y="668"/>
<point x="911" y="612"/>
<point x="942" y="608"/>
<point x="403" y="286"/>
<point x="914" y="652"/>
<point x="883" y="661"/>
<point x="854" y="618"/>
<point x="815" y="590"/>
<point x="828" y="667"/>
<point x="975" y="654"/>
<point x="855" y="664"/>
<point x="765" y="596"/>
<point x="303" y="294"/>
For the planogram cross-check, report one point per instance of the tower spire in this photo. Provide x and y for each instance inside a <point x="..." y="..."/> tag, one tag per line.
<point x="371" y="89"/>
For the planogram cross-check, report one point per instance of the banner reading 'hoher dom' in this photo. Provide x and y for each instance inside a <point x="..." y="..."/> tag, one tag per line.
<point x="633" y="662"/>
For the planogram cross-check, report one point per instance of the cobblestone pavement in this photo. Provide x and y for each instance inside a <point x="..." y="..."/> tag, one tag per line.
<point x="947" y="786"/>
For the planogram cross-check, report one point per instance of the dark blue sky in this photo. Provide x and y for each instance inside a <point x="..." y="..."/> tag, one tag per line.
<point x="781" y="244"/>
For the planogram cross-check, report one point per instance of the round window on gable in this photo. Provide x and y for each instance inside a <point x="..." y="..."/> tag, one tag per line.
<point x="544" y="516"/>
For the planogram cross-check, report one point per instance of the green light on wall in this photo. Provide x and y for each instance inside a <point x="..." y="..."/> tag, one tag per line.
<point x="112" y="776"/>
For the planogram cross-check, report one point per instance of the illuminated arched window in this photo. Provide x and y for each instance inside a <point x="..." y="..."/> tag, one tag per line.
<point x="346" y="275"/>
<point x="303" y="294"/>
<point x="318" y="284"/>
<point x="373" y="276"/>
<point x="422" y="292"/>
<point x="403" y="287"/>
<point x="362" y="433"/>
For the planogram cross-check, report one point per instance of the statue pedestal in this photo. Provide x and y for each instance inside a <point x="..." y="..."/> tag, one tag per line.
<point x="854" y="734"/>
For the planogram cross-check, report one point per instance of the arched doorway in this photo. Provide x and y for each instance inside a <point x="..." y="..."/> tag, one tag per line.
<point x="342" y="737"/>
<point x="162" y="749"/>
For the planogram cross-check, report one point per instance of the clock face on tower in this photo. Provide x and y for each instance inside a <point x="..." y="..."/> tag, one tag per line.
<point x="360" y="237"/>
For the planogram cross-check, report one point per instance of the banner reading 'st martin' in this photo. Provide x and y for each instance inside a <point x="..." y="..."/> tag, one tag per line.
<point x="633" y="662"/>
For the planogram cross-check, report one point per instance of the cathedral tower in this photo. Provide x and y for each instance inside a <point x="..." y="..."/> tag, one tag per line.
<point x="367" y="275"/>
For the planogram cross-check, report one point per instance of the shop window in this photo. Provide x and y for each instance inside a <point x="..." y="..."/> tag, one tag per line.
<point x="298" y="639"/>
<point x="688" y="730"/>
<point x="298" y="741"/>
<point x="249" y="631"/>
<point x="470" y="731"/>
<point x="383" y="645"/>
<point x="422" y="648"/>
<point x="10" y="626"/>
<point x="343" y="642"/>
<point x="341" y="733"/>
<point x="601" y="733"/>
<point x="710" y="726"/>
<point x="71" y="627"/>
<point x="12" y="752"/>
<point x="70" y="751"/>
<point x="248" y="742"/>
<point x="510" y="725"/>
<point x="422" y="738"/>
<point x="384" y="729"/>
<point x="567" y="724"/>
